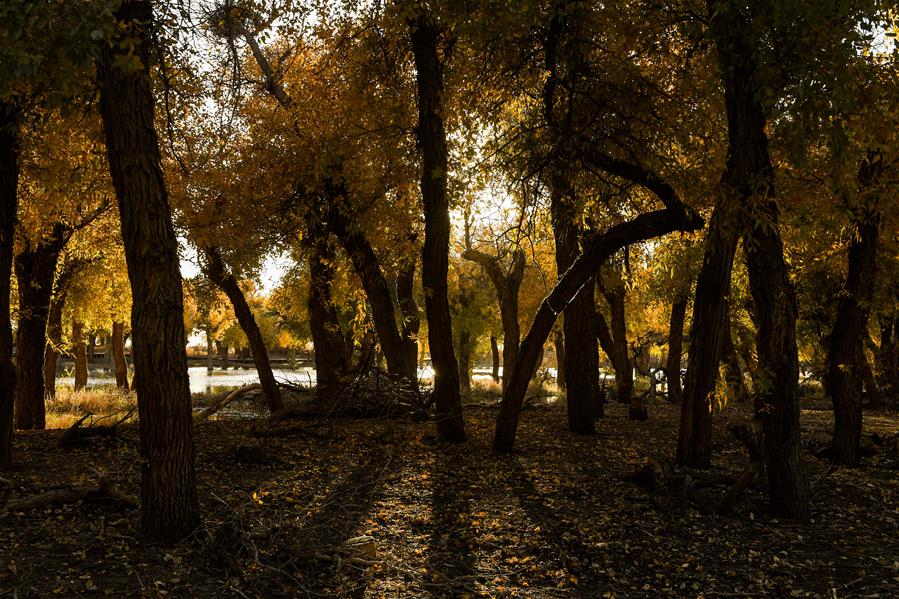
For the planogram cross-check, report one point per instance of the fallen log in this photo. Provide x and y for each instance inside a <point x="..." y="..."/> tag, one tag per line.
<point x="103" y="491"/>
<point x="77" y="434"/>
<point x="225" y="400"/>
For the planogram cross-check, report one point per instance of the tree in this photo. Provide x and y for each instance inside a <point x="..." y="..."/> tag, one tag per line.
<point x="169" y="507"/>
<point x="9" y="183"/>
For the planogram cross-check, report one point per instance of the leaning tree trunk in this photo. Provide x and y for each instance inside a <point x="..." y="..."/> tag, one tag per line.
<point x="117" y="347"/>
<point x="405" y="294"/>
<point x="224" y="280"/>
<point x="35" y="267"/>
<point x="9" y="183"/>
<point x="675" y="348"/>
<point x="332" y="360"/>
<point x="845" y="354"/>
<point x="79" y="352"/>
<point x="581" y="355"/>
<point x="368" y="269"/>
<point x="169" y="507"/>
<point x="435" y="255"/>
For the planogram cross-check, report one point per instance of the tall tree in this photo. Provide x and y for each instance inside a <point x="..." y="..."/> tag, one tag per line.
<point x="169" y="506"/>
<point x="9" y="183"/>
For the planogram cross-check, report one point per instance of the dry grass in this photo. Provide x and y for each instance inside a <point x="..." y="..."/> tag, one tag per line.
<point x="69" y="405"/>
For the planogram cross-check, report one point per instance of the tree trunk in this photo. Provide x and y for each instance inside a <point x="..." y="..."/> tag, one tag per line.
<point x="675" y="348"/>
<point x="733" y="370"/>
<point x="888" y="354"/>
<point x="224" y="280"/>
<point x="465" y="351"/>
<point x="559" y="342"/>
<point x="169" y="507"/>
<point x="54" y="332"/>
<point x="494" y="354"/>
<point x="9" y="183"/>
<point x="405" y="293"/>
<point x="210" y="351"/>
<point x="35" y="268"/>
<point x="581" y="355"/>
<point x="79" y="351"/>
<point x="435" y="255"/>
<point x="117" y="347"/>
<point x="597" y="249"/>
<point x="845" y="355"/>
<point x="91" y="346"/>
<point x="332" y="361"/>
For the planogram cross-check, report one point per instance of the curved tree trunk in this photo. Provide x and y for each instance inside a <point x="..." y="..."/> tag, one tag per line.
<point x="368" y="269"/>
<point x="79" y="351"/>
<point x="9" y="183"/>
<point x="224" y="280"/>
<point x="169" y="507"/>
<point x="675" y="348"/>
<point x="845" y="354"/>
<point x="35" y="268"/>
<point x="426" y="34"/>
<point x="117" y="347"/>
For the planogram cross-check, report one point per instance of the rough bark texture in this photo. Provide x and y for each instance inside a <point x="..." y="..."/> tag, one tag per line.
<point x="405" y="294"/>
<point x="507" y="284"/>
<point x="79" y="352"/>
<point x="214" y="268"/>
<point x="368" y="269"/>
<point x="35" y="268"/>
<point x="332" y="360"/>
<point x="169" y="508"/>
<point x="846" y="361"/>
<point x="675" y="349"/>
<point x="117" y="343"/>
<point x="9" y="182"/>
<point x="597" y="249"/>
<point x="426" y="35"/>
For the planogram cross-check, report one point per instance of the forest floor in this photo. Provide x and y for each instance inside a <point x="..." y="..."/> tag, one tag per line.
<point x="378" y="508"/>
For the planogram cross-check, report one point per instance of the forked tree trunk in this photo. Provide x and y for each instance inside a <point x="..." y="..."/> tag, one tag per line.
<point x="79" y="352"/>
<point x="35" y="268"/>
<point x="405" y="294"/>
<point x="117" y="347"/>
<point x="169" y="507"/>
<point x="426" y="33"/>
<point x="494" y="355"/>
<point x="9" y="183"/>
<point x="675" y="349"/>
<point x="224" y="280"/>
<point x="332" y="360"/>
<point x="846" y="360"/>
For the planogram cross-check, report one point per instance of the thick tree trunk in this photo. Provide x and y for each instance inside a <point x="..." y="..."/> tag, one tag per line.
<point x="620" y="352"/>
<point x="597" y="249"/>
<point x="435" y="255"/>
<point x="845" y="354"/>
<point x="494" y="354"/>
<point x="35" y="268"/>
<point x="117" y="347"/>
<point x="581" y="355"/>
<point x="332" y="360"/>
<point x="224" y="280"/>
<point x="405" y="294"/>
<point x="169" y="507"/>
<point x="79" y="352"/>
<point x="675" y="348"/>
<point x="9" y="183"/>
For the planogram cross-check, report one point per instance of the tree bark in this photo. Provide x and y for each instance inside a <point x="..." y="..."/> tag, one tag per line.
<point x="559" y="342"/>
<point x="734" y="376"/>
<point x="887" y="354"/>
<point x="368" y="269"/>
<point x="214" y="268"/>
<point x="507" y="285"/>
<point x="466" y="347"/>
<point x="117" y="347"/>
<point x="425" y="33"/>
<point x="79" y="351"/>
<point x="332" y="360"/>
<point x="35" y="268"/>
<point x="845" y="356"/>
<point x="405" y="293"/>
<point x="210" y="351"/>
<point x="9" y="184"/>
<point x="597" y="249"/>
<point x="615" y="340"/>
<point x="494" y="354"/>
<point x="54" y="330"/>
<point x="675" y="348"/>
<point x="169" y="507"/>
